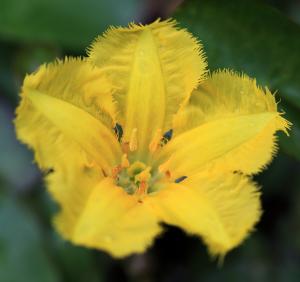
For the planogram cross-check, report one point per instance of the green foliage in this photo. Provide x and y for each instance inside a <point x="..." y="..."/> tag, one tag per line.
<point x="22" y="254"/>
<point x="251" y="37"/>
<point x="69" y="23"/>
<point x="15" y="159"/>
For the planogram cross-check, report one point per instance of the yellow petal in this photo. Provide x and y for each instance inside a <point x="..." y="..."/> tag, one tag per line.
<point x="107" y="218"/>
<point x="79" y="83"/>
<point x="229" y="124"/>
<point x="154" y="69"/>
<point x="224" y="93"/>
<point x="221" y="208"/>
<point x="53" y="110"/>
<point x="70" y="184"/>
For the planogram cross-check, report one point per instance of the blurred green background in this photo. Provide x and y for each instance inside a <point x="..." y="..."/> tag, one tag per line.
<point x="261" y="38"/>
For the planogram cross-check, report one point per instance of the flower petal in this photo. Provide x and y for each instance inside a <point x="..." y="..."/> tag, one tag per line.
<point x="55" y="107"/>
<point x="105" y="217"/>
<point x="229" y="124"/>
<point x="221" y="208"/>
<point x="154" y="69"/>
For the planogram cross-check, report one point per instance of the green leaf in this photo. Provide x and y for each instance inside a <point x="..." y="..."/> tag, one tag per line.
<point x="22" y="256"/>
<point x="77" y="263"/>
<point x="291" y="144"/>
<point x="16" y="161"/>
<point x="8" y="87"/>
<point x="251" y="37"/>
<point x="71" y="23"/>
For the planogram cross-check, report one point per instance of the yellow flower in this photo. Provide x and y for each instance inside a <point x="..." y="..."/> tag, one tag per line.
<point x="138" y="133"/>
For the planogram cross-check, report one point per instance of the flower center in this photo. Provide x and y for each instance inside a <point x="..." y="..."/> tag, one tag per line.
<point x="137" y="178"/>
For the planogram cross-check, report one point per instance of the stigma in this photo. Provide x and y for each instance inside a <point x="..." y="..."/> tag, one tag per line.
<point x="135" y="178"/>
<point x="133" y="174"/>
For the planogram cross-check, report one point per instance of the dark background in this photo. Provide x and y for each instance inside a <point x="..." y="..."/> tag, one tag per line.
<point x="261" y="38"/>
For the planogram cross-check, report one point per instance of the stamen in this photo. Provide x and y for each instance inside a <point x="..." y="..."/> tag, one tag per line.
<point x="155" y="141"/>
<point x="142" y="189"/>
<point x="133" y="144"/>
<point x="143" y="176"/>
<point x="136" y="178"/>
<point x="136" y="168"/>
<point x="115" y="171"/>
<point x="125" y="163"/>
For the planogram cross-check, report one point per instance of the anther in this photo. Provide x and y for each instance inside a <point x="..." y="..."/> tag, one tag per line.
<point x="133" y="144"/>
<point x="142" y="189"/>
<point x="125" y="163"/>
<point x="155" y="141"/>
<point x="143" y="176"/>
<point x="115" y="171"/>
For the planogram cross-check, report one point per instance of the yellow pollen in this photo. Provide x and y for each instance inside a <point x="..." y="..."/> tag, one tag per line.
<point x="115" y="171"/>
<point x="155" y="141"/>
<point x="136" y="168"/>
<point x="142" y="190"/>
<point x="133" y="144"/>
<point x="136" y="178"/>
<point x="143" y="176"/>
<point x="125" y="163"/>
